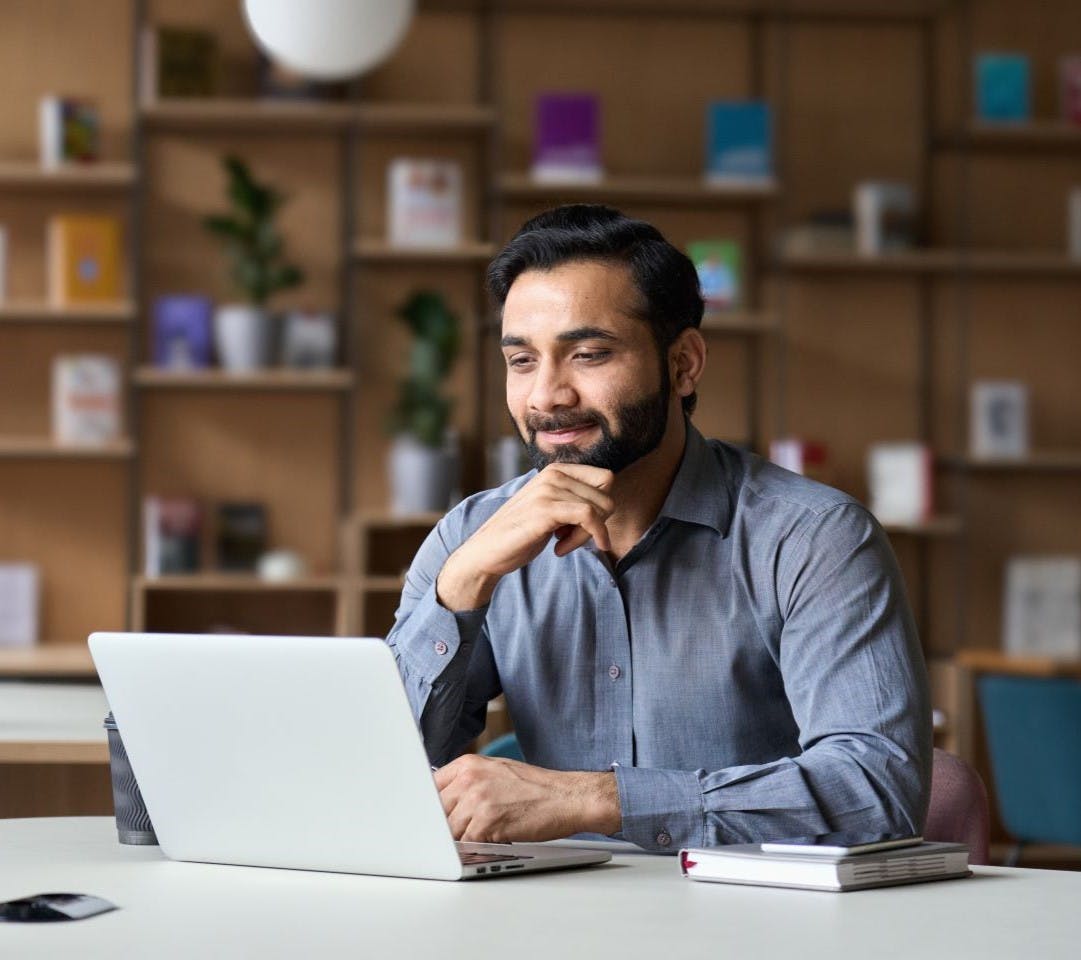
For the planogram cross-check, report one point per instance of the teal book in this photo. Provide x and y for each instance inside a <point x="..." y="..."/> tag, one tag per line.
<point x="739" y="142"/>
<point x="719" y="267"/>
<point x="1003" y="88"/>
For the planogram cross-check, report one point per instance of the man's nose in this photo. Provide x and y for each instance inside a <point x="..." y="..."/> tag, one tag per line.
<point x="551" y="389"/>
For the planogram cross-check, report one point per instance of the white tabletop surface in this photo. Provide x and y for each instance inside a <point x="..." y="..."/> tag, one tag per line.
<point x="62" y="722"/>
<point x="634" y="907"/>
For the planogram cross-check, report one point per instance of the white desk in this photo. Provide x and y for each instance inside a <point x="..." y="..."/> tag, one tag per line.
<point x="635" y="907"/>
<point x="52" y="723"/>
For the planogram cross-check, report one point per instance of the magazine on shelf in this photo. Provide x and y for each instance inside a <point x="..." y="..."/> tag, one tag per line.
<point x="1069" y="87"/>
<point x="172" y="535"/>
<point x="900" y="480"/>
<point x="83" y="258"/>
<point x="999" y="419"/>
<point x="1003" y="87"/>
<point x="718" y="263"/>
<point x="566" y="138"/>
<point x="182" y="331"/>
<point x="20" y="604"/>
<point x="86" y="399"/>
<point x="739" y="142"/>
<point x="1042" y="615"/>
<point x="749" y="863"/>
<point x="68" y="131"/>
<point x="425" y="202"/>
<point x="885" y="216"/>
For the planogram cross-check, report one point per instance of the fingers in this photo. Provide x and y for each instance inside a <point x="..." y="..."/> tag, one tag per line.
<point x="577" y="514"/>
<point x="596" y="477"/>
<point x="579" y="490"/>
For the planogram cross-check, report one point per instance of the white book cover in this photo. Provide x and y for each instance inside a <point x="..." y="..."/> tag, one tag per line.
<point x="425" y="203"/>
<point x="86" y="399"/>
<point x="899" y="481"/>
<point x="999" y="422"/>
<point x="20" y="603"/>
<point x="884" y="214"/>
<point x="51" y="131"/>
<point x="1043" y="607"/>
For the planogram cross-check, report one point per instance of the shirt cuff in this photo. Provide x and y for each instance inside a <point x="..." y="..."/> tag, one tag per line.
<point x="662" y="810"/>
<point x="439" y="640"/>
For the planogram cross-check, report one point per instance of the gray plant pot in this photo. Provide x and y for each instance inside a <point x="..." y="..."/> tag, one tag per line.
<point x="422" y="479"/>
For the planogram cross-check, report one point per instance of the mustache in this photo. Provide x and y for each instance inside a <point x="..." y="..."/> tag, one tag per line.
<point x="557" y="422"/>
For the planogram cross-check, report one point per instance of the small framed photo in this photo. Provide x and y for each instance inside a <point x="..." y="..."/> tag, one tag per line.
<point x="999" y="423"/>
<point x="309" y="340"/>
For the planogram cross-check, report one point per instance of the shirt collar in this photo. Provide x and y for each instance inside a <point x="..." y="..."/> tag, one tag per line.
<point x="700" y="491"/>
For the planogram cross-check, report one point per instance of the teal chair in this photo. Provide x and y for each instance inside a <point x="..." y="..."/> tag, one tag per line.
<point x="504" y="746"/>
<point x="1033" y="729"/>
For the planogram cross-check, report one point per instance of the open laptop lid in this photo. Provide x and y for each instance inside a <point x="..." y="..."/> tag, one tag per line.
<point x="277" y="751"/>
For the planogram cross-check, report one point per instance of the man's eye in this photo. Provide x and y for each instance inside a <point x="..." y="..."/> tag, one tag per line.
<point x="519" y="361"/>
<point x="592" y="356"/>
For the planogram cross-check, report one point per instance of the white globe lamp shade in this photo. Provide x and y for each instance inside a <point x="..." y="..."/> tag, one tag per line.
<point x="328" y="39"/>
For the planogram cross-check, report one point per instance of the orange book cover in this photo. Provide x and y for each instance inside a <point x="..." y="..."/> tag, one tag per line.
<point x="84" y="259"/>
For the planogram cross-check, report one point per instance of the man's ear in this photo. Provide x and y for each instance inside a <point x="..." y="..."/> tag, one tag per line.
<point x="687" y="361"/>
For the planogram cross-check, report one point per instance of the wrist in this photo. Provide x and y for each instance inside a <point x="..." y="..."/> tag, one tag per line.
<point x="600" y="806"/>
<point x="462" y="585"/>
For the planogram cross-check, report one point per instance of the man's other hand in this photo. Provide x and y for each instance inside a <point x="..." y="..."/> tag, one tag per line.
<point x="494" y="800"/>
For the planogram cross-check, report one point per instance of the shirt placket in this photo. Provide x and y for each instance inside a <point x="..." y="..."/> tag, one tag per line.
<point x="612" y="682"/>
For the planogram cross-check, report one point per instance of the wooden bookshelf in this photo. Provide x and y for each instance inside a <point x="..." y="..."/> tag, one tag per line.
<point x="1040" y="461"/>
<point x="936" y="527"/>
<point x="636" y="189"/>
<point x="48" y="660"/>
<point x="998" y="661"/>
<point x="33" y="311"/>
<point x="741" y="322"/>
<point x="1016" y="264"/>
<point x="370" y="250"/>
<point x="382" y="584"/>
<point x="420" y="119"/>
<point x="45" y="448"/>
<point x="1037" y="136"/>
<point x="274" y="379"/>
<point x="236" y="583"/>
<point x="247" y="115"/>
<point x="90" y="176"/>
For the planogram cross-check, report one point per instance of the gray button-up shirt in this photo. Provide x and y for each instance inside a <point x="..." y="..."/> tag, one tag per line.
<point x="750" y="669"/>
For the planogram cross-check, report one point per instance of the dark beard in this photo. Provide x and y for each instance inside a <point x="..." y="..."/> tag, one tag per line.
<point x="641" y="425"/>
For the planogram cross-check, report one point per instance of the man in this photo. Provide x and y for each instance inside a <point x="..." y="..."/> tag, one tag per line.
<point x="696" y="647"/>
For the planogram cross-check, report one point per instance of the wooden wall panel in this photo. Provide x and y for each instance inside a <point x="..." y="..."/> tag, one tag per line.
<point x="71" y="520"/>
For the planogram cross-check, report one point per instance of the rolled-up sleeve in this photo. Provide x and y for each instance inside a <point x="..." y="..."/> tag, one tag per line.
<point x="855" y="679"/>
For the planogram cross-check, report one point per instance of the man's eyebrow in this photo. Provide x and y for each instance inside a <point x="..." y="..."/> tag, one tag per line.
<point x="514" y="342"/>
<point x="568" y="336"/>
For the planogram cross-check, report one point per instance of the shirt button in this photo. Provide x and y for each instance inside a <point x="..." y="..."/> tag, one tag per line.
<point x="440" y="647"/>
<point x="664" y="839"/>
<point x="611" y="583"/>
<point x="614" y="672"/>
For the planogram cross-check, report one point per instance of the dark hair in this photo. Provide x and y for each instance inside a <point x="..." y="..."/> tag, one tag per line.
<point x="665" y="277"/>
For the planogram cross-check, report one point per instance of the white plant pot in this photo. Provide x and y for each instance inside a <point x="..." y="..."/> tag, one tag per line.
<point x="422" y="479"/>
<point x="243" y="337"/>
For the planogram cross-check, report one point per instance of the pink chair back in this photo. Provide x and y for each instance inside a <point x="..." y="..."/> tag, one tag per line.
<point x="958" y="811"/>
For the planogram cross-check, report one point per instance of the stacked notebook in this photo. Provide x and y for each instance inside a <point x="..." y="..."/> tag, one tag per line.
<point x="827" y="867"/>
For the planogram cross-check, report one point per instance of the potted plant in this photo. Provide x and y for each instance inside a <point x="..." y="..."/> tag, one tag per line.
<point x="257" y="267"/>
<point x="423" y="463"/>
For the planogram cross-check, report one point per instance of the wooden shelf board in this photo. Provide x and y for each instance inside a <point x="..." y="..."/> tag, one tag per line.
<point x="740" y="322"/>
<point x="1040" y="461"/>
<point x="413" y="521"/>
<point x="423" y="118"/>
<point x="48" y="660"/>
<point x="662" y="190"/>
<point x="998" y="661"/>
<point x="1035" y="135"/>
<point x="89" y="176"/>
<point x="270" y="379"/>
<point x="945" y="526"/>
<point x="936" y="261"/>
<point x="379" y="251"/>
<point x="387" y="584"/>
<point x="33" y="311"/>
<point x="228" y="115"/>
<point x="45" y="448"/>
<point x="274" y="116"/>
<point x="236" y="583"/>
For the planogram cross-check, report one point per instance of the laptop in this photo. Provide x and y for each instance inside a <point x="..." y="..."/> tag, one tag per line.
<point x="297" y="752"/>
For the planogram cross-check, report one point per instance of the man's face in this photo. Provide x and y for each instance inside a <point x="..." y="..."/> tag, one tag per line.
<point x="584" y="381"/>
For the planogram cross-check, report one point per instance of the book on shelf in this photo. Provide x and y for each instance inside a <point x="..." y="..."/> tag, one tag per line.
<point x="68" y="131"/>
<point x="999" y="419"/>
<point x="172" y="535"/>
<point x="884" y="213"/>
<point x="567" y="138"/>
<point x="900" y="481"/>
<point x="3" y="262"/>
<point x="749" y="863"/>
<point x="177" y="62"/>
<point x="309" y="340"/>
<point x="809" y="458"/>
<point x="20" y="604"/>
<point x="739" y="144"/>
<point x="182" y="331"/>
<point x="1042" y="615"/>
<point x="83" y="259"/>
<point x="1069" y="88"/>
<point x="86" y="402"/>
<point x="424" y="202"/>
<point x="240" y="535"/>
<point x="1003" y="87"/>
<point x="720" y="272"/>
<point x="823" y="232"/>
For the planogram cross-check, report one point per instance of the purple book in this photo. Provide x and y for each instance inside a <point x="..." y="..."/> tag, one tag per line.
<point x="182" y="331"/>
<point x="567" y="137"/>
